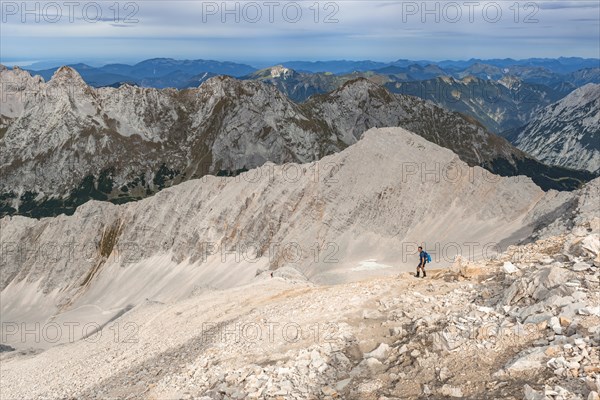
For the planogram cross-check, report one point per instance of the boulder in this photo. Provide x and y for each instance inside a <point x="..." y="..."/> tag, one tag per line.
<point x="557" y="301"/>
<point x="531" y="394"/>
<point x="380" y="353"/>
<point x="451" y="391"/>
<point x="593" y="384"/>
<point x="564" y="321"/>
<point x="581" y="266"/>
<point x="538" y="318"/>
<point x="517" y="291"/>
<point x="527" y="361"/>
<point x="509" y="268"/>
<point x="532" y="310"/>
<point x="542" y="283"/>
<point x="367" y="367"/>
<point x="571" y="310"/>
<point x="590" y="310"/>
<point x="548" y="278"/>
<point x="5" y="348"/>
<point x="591" y="244"/>
<point x="555" y="325"/>
<point x="591" y="279"/>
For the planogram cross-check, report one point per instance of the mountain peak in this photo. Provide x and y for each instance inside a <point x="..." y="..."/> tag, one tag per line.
<point x="276" y="71"/>
<point x="16" y="72"/>
<point x="156" y="61"/>
<point x="67" y="74"/>
<point x="447" y="79"/>
<point x="469" y="79"/>
<point x="279" y="70"/>
<point x="357" y="82"/>
<point x="359" y="88"/>
<point x="220" y="80"/>
<point x="362" y="84"/>
<point x="224" y="85"/>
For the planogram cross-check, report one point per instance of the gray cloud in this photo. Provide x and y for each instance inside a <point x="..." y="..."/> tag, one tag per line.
<point x="366" y="29"/>
<point x="559" y="5"/>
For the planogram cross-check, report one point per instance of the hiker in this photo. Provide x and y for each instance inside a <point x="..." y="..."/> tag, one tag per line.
<point x="423" y="259"/>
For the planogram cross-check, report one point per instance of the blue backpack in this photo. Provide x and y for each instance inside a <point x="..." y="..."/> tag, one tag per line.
<point x="427" y="257"/>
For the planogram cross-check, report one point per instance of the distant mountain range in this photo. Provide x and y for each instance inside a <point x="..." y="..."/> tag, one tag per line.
<point x="166" y="72"/>
<point x="158" y="72"/>
<point x="71" y="142"/>
<point x="562" y="65"/>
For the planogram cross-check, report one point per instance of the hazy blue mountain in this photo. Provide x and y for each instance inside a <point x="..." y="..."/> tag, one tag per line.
<point x="414" y="72"/>
<point x="406" y="63"/>
<point x="158" y="67"/>
<point x="166" y="72"/>
<point x="50" y="64"/>
<point x="118" y="68"/>
<point x="93" y="76"/>
<point x="336" y="66"/>
<point x="158" y="73"/>
<point x="562" y="65"/>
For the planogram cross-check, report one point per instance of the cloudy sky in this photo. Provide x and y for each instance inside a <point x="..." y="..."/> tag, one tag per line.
<point x="263" y="32"/>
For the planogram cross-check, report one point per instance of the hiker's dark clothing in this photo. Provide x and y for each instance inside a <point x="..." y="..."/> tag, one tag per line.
<point x="422" y="259"/>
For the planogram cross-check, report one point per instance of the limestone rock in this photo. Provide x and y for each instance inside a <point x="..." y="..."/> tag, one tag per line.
<point x="531" y="360"/>
<point x="509" y="268"/>
<point x="451" y="391"/>
<point x="380" y="353"/>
